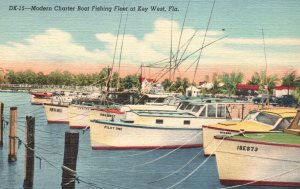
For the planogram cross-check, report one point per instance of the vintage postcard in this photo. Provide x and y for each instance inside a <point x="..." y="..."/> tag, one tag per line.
<point x="149" y="94"/>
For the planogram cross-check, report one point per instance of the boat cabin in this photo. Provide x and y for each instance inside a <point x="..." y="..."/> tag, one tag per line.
<point x="277" y="119"/>
<point x="209" y="110"/>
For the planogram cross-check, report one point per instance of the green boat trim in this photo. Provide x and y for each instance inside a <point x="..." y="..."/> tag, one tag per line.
<point x="277" y="138"/>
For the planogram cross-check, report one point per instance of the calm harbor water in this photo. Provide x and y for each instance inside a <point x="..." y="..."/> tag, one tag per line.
<point x="129" y="169"/>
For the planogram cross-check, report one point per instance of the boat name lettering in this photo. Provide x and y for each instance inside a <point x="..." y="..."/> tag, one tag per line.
<point x="247" y="148"/>
<point x="225" y="132"/>
<point x="83" y="108"/>
<point x="107" y="115"/>
<point x="55" y="110"/>
<point x="113" y="128"/>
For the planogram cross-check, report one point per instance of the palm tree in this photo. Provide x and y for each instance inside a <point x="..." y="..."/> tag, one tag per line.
<point x="255" y="79"/>
<point x="216" y="84"/>
<point x="230" y="81"/>
<point x="289" y="80"/>
<point x="166" y="84"/>
<point x="180" y="85"/>
<point x="265" y="83"/>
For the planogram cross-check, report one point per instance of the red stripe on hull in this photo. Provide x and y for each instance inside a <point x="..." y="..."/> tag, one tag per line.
<point x="77" y="127"/>
<point x="57" y="121"/>
<point x="33" y="103"/>
<point x="206" y="155"/>
<point x="259" y="183"/>
<point x="144" y="147"/>
<point x="231" y="130"/>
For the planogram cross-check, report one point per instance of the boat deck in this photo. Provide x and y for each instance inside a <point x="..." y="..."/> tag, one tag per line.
<point x="165" y="114"/>
<point x="278" y="138"/>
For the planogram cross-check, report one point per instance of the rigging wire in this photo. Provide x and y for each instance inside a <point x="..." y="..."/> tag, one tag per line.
<point x="208" y="23"/>
<point x="117" y="39"/>
<point x="120" y="56"/>
<point x="186" y="11"/>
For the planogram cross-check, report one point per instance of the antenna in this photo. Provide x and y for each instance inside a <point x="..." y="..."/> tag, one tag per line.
<point x="263" y="36"/>
<point x="170" y="76"/>
<point x="266" y="68"/>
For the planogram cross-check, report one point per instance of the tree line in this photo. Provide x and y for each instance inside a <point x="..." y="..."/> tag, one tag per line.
<point x="224" y="83"/>
<point x="66" y="78"/>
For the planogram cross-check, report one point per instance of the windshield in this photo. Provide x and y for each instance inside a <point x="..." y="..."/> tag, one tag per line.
<point x="251" y="115"/>
<point x="197" y="108"/>
<point x="284" y="123"/>
<point x="183" y="105"/>
<point x="189" y="107"/>
<point x="265" y="118"/>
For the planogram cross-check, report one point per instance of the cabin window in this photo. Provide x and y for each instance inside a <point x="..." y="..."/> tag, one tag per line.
<point x="159" y="121"/>
<point x="203" y="113"/>
<point x="183" y="105"/>
<point x="267" y="118"/>
<point x="228" y="116"/>
<point x="221" y="111"/>
<point x="251" y="115"/>
<point x="189" y="107"/>
<point x="211" y="110"/>
<point x="284" y="123"/>
<point x="197" y="108"/>
<point x="186" y="122"/>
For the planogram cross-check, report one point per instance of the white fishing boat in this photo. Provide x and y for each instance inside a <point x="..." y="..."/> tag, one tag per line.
<point x="56" y="113"/>
<point x="169" y="103"/>
<point x="158" y="129"/>
<point x="82" y="109"/>
<point x="256" y="121"/>
<point x="39" y="98"/>
<point x="271" y="158"/>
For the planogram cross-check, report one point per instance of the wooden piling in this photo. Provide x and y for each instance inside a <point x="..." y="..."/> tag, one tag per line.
<point x="29" y="155"/>
<point x="70" y="159"/>
<point x="12" y="156"/>
<point x="1" y="123"/>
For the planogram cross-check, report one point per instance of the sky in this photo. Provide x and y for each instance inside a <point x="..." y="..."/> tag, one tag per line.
<point x="251" y="34"/>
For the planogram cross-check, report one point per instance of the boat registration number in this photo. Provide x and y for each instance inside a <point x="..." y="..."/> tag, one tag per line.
<point x="113" y="128"/>
<point x="247" y="148"/>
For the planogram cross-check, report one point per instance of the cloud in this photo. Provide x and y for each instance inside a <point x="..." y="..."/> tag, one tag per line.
<point x="55" y="46"/>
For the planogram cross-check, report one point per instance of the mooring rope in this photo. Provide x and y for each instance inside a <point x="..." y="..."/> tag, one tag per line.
<point x="197" y="168"/>
<point x="172" y="151"/>
<point x="147" y="151"/>
<point x="266" y="178"/>
<point x="186" y="164"/>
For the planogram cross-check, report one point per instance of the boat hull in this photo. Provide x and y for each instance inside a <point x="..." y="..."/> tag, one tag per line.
<point x="105" y="136"/>
<point x="209" y="142"/>
<point x="258" y="163"/>
<point x="79" y="116"/>
<point x="39" y="101"/>
<point x="56" y="113"/>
